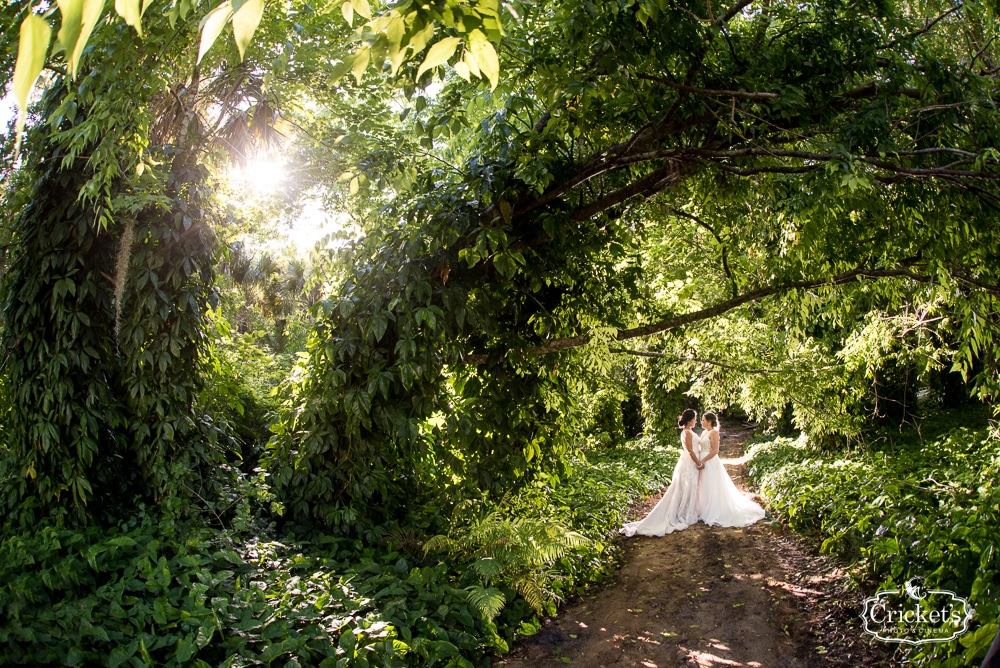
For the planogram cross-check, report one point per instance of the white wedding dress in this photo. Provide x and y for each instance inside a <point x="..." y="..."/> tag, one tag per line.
<point x="708" y="495"/>
<point x="678" y="509"/>
<point x="721" y="503"/>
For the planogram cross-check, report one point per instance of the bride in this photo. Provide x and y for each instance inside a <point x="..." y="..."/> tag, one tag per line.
<point x="720" y="502"/>
<point x="701" y="489"/>
<point x="678" y="509"/>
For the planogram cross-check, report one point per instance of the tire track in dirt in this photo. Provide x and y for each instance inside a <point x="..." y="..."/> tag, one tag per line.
<point x="710" y="596"/>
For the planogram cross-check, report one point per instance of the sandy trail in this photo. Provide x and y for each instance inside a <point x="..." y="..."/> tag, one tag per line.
<point x="711" y="596"/>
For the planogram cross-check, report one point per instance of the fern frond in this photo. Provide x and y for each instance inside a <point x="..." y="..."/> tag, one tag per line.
<point x="487" y="568"/>
<point x="405" y="540"/>
<point x="438" y="543"/>
<point x="488" y="602"/>
<point x="531" y="593"/>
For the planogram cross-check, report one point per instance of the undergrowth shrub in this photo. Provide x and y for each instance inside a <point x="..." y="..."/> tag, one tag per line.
<point x="928" y="510"/>
<point x="219" y="588"/>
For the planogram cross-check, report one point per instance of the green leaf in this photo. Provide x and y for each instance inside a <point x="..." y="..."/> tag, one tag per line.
<point x="486" y="56"/>
<point x="487" y="601"/>
<point x="212" y="25"/>
<point x="78" y="20"/>
<point x="506" y="210"/>
<point x="185" y="649"/>
<point x="131" y="12"/>
<point x="360" y="63"/>
<point x="245" y="22"/>
<point x="438" y="54"/>
<point x="71" y="12"/>
<point x="363" y="8"/>
<point x="420" y="36"/>
<point x="91" y="13"/>
<point x="394" y="31"/>
<point x="31" y="50"/>
<point x="119" y="655"/>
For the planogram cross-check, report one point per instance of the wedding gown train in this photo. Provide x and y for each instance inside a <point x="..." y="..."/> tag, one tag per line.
<point x="711" y="497"/>
<point x="721" y="503"/>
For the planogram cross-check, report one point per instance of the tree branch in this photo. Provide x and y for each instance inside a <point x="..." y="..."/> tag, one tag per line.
<point x="648" y="353"/>
<point x="648" y="185"/>
<point x="725" y="262"/>
<point x="733" y="11"/>
<point x="709" y="92"/>
<point x="923" y="30"/>
<point x="871" y="89"/>
<point x="675" y="321"/>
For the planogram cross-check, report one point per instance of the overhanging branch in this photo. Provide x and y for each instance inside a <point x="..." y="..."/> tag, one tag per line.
<point x="672" y="322"/>
<point x="710" y="92"/>
<point x="650" y="353"/>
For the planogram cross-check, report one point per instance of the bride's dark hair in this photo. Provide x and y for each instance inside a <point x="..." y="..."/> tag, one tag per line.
<point x="688" y="415"/>
<point x="713" y="418"/>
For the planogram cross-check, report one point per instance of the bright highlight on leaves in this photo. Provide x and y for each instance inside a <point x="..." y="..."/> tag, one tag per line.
<point x="31" y="50"/>
<point x="438" y="54"/>
<point x="359" y="7"/>
<point x="212" y="25"/>
<point x="131" y="12"/>
<point x="485" y="56"/>
<point x="245" y="22"/>
<point x="360" y="62"/>
<point x="78" y="20"/>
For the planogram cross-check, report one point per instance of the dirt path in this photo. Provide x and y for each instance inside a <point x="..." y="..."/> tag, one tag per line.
<point x="710" y="596"/>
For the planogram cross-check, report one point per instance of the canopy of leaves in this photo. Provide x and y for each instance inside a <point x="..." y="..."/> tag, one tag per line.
<point x="773" y="185"/>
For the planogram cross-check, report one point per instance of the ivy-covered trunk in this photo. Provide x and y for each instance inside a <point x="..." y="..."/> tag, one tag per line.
<point x="59" y="351"/>
<point x="104" y="336"/>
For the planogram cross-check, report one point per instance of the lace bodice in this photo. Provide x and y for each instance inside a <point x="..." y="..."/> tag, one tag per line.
<point x="696" y="444"/>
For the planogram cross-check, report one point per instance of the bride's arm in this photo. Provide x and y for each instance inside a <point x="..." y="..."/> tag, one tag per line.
<point x="713" y="438"/>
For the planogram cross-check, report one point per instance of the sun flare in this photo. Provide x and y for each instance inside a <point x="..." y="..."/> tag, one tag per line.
<point x="262" y="175"/>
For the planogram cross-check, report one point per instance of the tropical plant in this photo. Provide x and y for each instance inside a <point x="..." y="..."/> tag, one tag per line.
<point x="899" y="510"/>
<point x="506" y="551"/>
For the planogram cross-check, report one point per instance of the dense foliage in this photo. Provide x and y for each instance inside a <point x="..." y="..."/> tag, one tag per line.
<point x="539" y="241"/>
<point x="564" y="209"/>
<point x="900" y="509"/>
<point x="178" y="593"/>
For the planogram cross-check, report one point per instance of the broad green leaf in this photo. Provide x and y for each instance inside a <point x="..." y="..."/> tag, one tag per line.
<point x="131" y="12"/>
<point x="78" y="20"/>
<point x="438" y="54"/>
<point x="212" y="25"/>
<point x="462" y="70"/>
<point x="31" y="50"/>
<point x="421" y="35"/>
<point x="360" y="63"/>
<point x="245" y="22"/>
<point x="378" y="52"/>
<point x="71" y="12"/>
<point x="394" y="31"/>
<point x="470" y="62"/>
<point x="506" y="210"/>
<point x="363" y="8"/>
<point x="347" y="9"/>
<point x="486" y="56"/>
